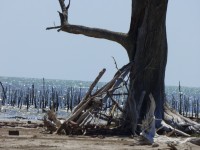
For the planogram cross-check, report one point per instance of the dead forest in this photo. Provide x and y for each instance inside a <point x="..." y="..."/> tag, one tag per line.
<point x="94" y="110"/>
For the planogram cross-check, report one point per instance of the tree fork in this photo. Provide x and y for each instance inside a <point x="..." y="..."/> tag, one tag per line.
<point x="87" y="31"/>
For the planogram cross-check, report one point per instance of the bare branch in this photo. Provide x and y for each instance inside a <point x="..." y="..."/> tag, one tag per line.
<point x="95" y="33"/>
<point x="56" y="27"/>
<point x="68" y="5"/>
<point x="64" y="14"/>
<point x="115" y="63"/>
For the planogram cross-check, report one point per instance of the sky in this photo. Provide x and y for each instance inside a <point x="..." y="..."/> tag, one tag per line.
<point x="28" y="50"/>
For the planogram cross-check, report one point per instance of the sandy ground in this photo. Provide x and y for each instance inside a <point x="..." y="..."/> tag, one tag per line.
<point x="32" y="137"/>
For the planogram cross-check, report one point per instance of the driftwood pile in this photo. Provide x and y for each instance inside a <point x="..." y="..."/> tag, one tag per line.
<point x="93" y="116"/>
<point x="92" y="112"/>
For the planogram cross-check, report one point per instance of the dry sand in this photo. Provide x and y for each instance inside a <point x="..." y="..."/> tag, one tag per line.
<point x="32" y="137"/>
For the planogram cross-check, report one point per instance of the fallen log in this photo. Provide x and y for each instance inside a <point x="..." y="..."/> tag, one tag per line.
<point x="172" y="118"/>
<point x="170" y="128"/>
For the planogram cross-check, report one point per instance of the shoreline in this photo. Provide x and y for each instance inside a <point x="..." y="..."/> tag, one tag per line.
<point x="32" y="136"/>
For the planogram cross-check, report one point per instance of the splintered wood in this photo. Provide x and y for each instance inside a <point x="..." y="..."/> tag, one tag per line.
<point x="93" y="111"/>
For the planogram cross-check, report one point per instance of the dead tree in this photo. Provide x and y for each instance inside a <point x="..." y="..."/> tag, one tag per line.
<point x="4" y="93"/>
<point x="146" y="46"/>
<point x="180" y="99"/>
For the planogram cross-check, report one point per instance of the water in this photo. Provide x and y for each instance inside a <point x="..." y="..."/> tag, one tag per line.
<point x="12" y="112"/>
<point x="21" y="104"/>
<point x="25" y="97"/>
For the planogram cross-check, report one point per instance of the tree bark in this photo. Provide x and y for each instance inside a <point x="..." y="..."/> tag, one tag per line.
<point x="148" y="49"/>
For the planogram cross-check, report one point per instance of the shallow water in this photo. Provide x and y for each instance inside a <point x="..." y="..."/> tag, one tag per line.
<point x="10" y="112"/>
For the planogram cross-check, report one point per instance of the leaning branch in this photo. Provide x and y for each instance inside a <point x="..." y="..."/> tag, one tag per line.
<point x="95" y="33"/>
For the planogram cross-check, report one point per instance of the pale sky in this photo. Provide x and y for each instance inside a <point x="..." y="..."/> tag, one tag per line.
<point x="28" y="50"/>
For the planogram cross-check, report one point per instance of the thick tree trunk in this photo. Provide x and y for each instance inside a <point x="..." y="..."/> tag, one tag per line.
<point x="147" y="47"/>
